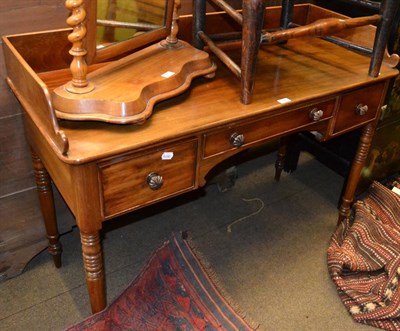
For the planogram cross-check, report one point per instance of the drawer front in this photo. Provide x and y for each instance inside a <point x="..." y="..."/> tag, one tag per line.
<point x="358" y="107"/>
<point x="141" y="179"/>
<point x="245" y="135"/>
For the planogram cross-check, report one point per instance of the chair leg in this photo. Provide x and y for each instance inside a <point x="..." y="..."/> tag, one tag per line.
<point x="388" y="10"/>
<point x="281" y="156"/>
<point x="287" y="13"/>
<point x="199" y="22"/>
<point x="253" y="14"/>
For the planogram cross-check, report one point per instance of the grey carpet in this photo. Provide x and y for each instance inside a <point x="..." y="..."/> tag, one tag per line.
<point x="272" y="264"/>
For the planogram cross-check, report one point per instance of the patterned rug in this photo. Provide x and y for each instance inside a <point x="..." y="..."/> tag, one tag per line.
<point x="364" y="258"/>
<point x="172" y="292"/>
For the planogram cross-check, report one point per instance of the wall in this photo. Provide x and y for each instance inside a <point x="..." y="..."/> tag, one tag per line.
<point x="22" y="232"/>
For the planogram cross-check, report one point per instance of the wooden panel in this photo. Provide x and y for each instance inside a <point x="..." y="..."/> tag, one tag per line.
<point x="8" y="5"/>
<point x="33" y="94"/>
<point x="124" y="182"/>
<point x="8" y="102"/>
<point x="53" y="49"/>
<point x="186" y="6"/>
<point x="28" y="19"/>
<point x="21" y="17"/>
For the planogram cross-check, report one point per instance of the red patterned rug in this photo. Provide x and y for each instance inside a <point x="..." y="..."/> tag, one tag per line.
<point x="364" y="258"/>
<point x="172" y="292"/>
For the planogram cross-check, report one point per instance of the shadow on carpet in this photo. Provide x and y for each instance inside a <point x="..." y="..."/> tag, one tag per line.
<point x="173" y="291"/>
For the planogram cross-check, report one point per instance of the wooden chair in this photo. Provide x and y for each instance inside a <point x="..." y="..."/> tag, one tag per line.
<point x="251" y="19"/>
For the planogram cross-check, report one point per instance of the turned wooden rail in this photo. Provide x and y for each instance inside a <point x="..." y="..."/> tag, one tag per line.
<point x="319" y="28"/>
<point x="128" y="25"/>
<point x="232" y="12"/>
<point x="233" y="67"/>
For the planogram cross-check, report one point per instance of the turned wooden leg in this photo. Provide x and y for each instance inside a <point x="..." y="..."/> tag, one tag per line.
<point x="253" y="17"/>
<point x="355" y="171"/>
<point x="388" y="10"/>
<point x="280" y="158"/>
<point x="46" y="198"/>
<point x="93" y="264"/>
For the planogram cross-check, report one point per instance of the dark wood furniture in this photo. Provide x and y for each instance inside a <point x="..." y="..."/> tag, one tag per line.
<point x="383" y="160"/>
<point x="252" y="16"/>
<point x="104" y="170"/>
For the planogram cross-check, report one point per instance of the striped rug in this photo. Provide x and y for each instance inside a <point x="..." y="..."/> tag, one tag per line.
<point x="364" y="258"/>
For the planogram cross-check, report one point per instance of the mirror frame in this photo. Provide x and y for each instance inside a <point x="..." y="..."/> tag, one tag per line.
<point x="95" y="55"/>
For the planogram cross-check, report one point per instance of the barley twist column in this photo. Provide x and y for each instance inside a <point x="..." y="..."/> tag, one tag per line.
<point x="78" y="66"/>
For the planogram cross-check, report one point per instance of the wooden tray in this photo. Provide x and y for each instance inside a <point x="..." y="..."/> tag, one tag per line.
<point x="126" y="91"/>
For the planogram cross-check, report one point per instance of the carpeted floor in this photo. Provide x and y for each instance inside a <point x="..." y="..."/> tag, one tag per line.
<point x="272" y="264"/>
<point x="173" y="291"/>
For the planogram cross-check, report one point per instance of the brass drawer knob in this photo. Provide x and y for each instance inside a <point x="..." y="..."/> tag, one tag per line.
<point x="236" y="139"/>
<point x="361" y="109"/>
<point x="154" y="180"/>
<point x="316" y="114"/>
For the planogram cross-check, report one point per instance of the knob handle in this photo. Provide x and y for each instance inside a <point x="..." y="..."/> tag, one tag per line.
<point x="154" y="180"/>
<point x="361" y="109"/>
<point x="236" y="139"/>
<point x="316" y="114"/>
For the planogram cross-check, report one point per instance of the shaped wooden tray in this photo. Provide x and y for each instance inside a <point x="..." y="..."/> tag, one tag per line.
<point x="126" y="90"/>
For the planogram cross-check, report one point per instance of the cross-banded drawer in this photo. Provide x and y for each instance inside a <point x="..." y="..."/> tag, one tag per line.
<point x="358" y="107"/>
<point x="133" y="181"/>
<point x="250" y="133"/>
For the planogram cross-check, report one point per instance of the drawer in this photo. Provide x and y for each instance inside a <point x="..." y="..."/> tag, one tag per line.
<point x="140" y="179"/>
<point x="358" y="107"/>
<point x="247" y="134"/>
